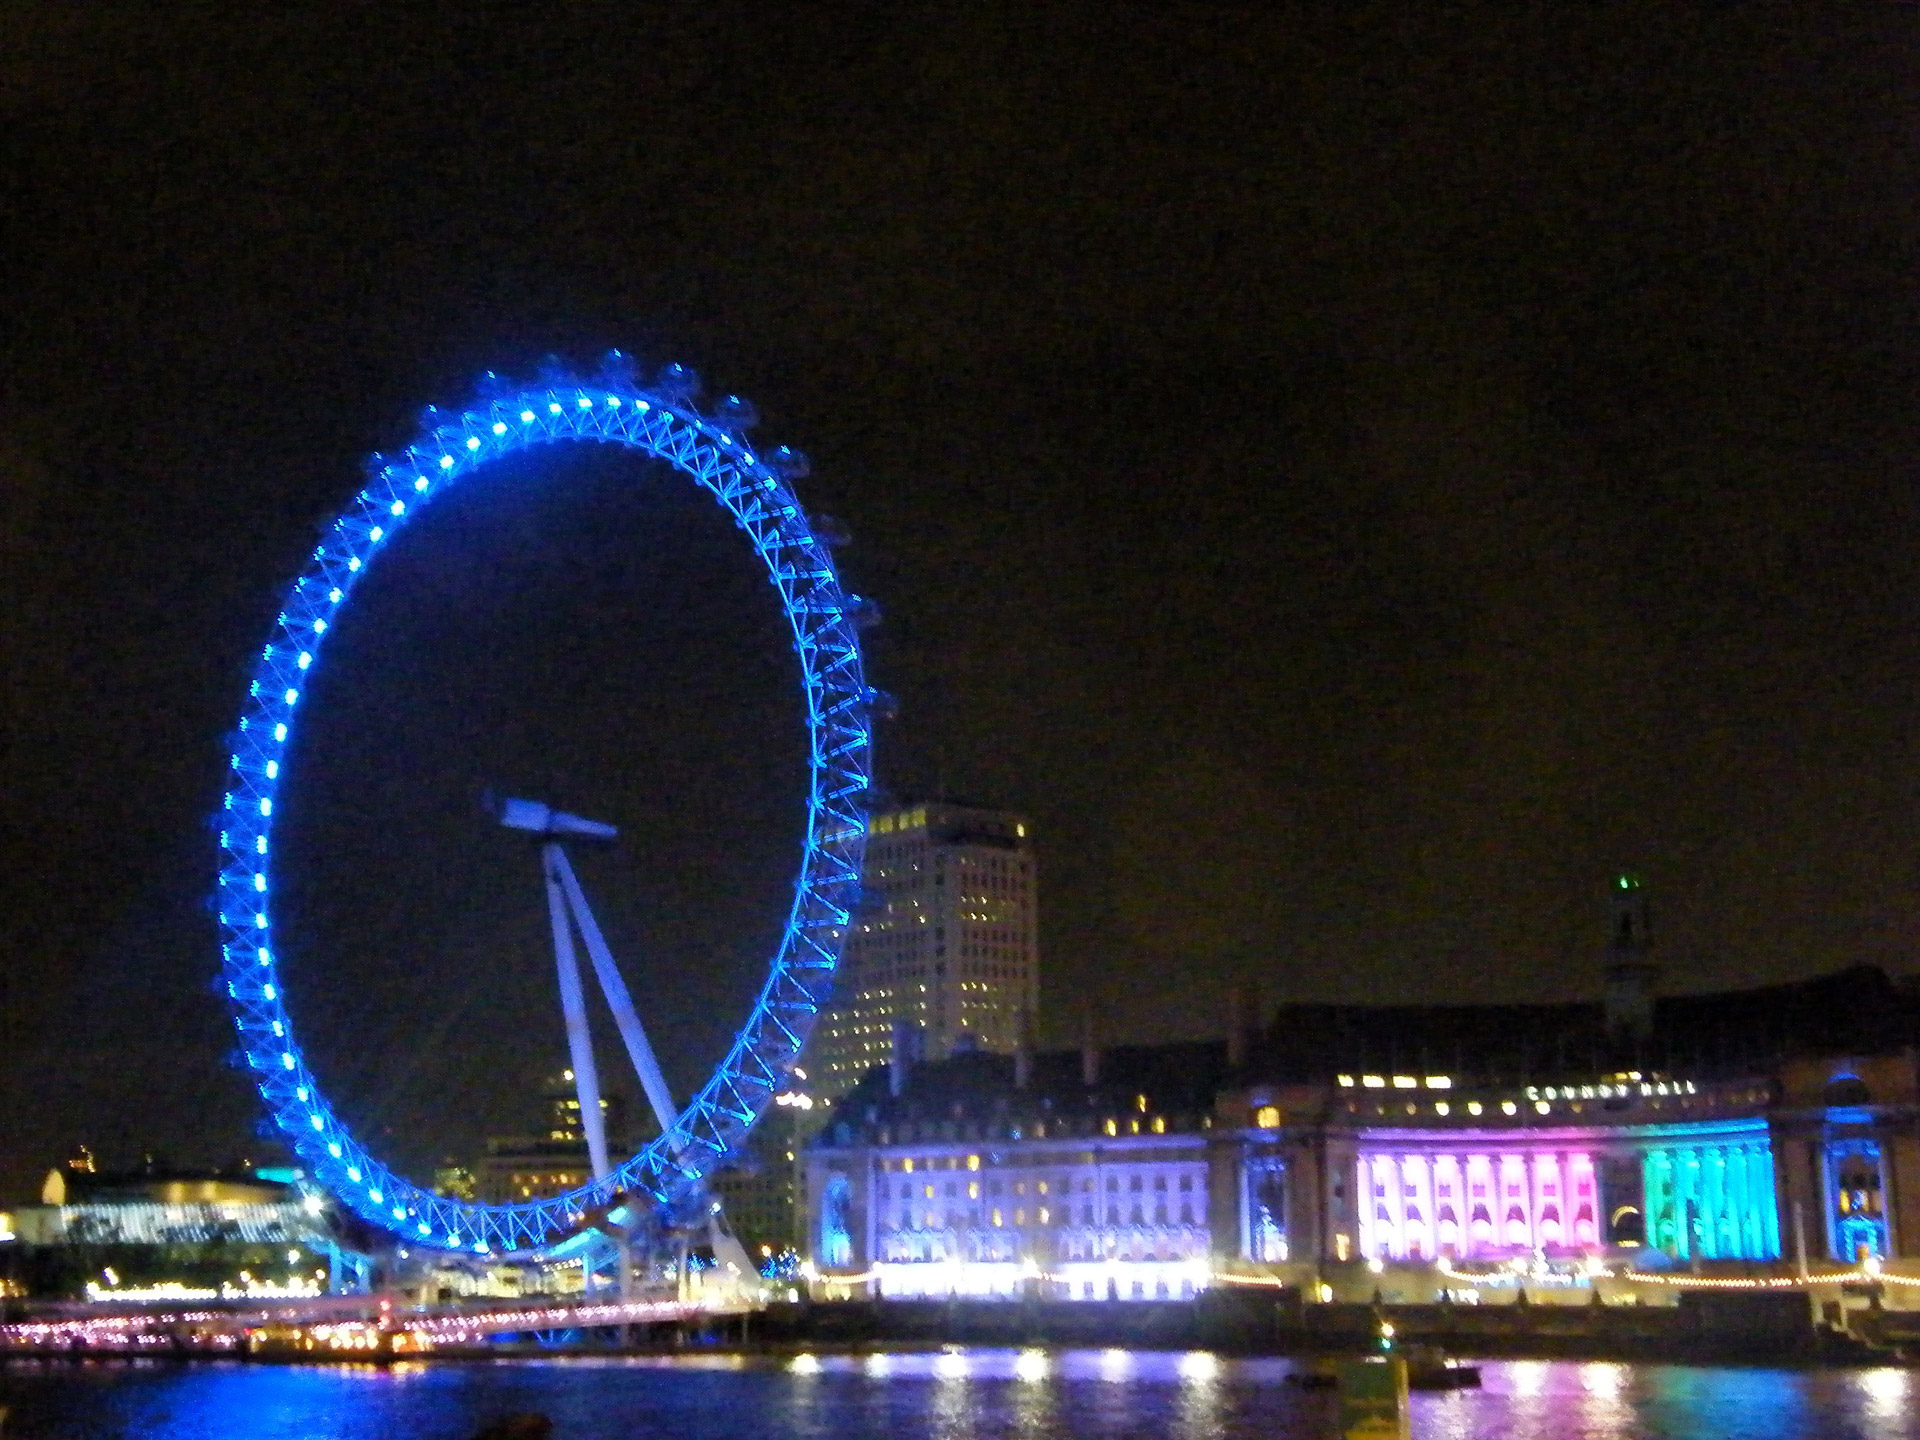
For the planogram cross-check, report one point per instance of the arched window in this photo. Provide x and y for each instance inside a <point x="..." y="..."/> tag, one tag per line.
<point x="1266" y="1210"/>
<point x="1858" y="1203"/>
<point x="836" y="1213"/>
<point x="1846" y="1089"/>
<point x="1516" y="1226"/>
<point x="1480" y="1227"/>
<point x="1550" y="1225"/>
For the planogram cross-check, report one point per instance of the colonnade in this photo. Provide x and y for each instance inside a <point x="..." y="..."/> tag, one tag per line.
<point x="1422" y="1205"/>
<point x="1714" y="1200"/>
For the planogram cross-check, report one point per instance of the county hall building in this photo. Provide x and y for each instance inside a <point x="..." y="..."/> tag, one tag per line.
<point x="1716" y="1138"/>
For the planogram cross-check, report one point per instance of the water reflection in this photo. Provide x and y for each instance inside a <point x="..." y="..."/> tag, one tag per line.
<point x="952" y="1406"/>
<point x="1601" y="1378"/>
<point x="1031" y="1365"/>
<point x="1604" y="1408"/>
<point x="1889" y="1393"/>
<point x="952" y="1394"/>
<point x="1527" y="1377"/>
<point x="1754" y="1402"/>
<point x="1199" y="1411"/>
<point x="1033" y="1399"/>
<point x="1199" y="1365"/>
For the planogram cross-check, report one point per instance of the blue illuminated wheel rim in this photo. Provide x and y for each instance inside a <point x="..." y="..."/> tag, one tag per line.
<point x="658" y="421"/>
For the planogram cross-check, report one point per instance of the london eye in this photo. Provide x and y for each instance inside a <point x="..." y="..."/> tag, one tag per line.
<point x="658" y="420"/>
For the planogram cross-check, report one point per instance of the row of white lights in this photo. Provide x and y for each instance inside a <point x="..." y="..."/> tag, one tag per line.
<point x="1534" y="1092"/>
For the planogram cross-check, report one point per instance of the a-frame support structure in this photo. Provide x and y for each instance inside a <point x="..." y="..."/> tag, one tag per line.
<point x="567" y="909"/>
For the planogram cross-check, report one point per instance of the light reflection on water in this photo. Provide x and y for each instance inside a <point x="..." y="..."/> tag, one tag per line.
<point x="949" y="1394"/>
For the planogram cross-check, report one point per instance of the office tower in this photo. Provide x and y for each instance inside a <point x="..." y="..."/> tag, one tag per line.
<point x="946" y="952"/>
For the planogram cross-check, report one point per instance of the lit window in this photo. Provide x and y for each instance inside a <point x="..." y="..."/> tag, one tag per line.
<point x="1267" y="1117"/>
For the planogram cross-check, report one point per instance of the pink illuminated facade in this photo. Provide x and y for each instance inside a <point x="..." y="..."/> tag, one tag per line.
<point x="1425" y="1196"/>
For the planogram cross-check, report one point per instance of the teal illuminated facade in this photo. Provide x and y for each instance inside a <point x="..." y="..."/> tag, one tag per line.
<point x="1710" y="1191"/>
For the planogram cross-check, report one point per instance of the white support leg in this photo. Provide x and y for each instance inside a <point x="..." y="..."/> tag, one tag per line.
<point x="573" y="1003"/>
<point x="620" y="1002"/>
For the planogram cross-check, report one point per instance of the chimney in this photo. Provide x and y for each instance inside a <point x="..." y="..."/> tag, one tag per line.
<point x="1089" y="1054"/>
<point x="1630" y="971"/>
<point x="1237" y="1026"/>
<point x="1022" y="1051"/>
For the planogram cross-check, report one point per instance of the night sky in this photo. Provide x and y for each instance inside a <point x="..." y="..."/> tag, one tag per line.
<point x="1353" y="475"/>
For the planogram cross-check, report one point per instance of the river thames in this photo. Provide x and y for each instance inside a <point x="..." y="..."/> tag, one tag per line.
<point x="943" y="1395"/>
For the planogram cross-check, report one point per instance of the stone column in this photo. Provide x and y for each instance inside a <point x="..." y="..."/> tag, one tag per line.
<point x="1565" y="1187"/>
<point x="1687" y="1178"/>
<point x="1653" y="1195"/>
<point x="1767" y="1196"/>
<point x="1713" y="1185"/>
<point x="1397" y="1184"/>
<point x="1532" y="1172"/>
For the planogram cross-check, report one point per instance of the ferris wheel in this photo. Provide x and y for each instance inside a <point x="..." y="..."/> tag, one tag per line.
<point x="657" y="420"/>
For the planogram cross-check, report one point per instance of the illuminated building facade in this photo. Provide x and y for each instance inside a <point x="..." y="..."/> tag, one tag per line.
<point x="1087" y="1177"/>
<point x="160" y="1234"/>
<point x="947" y="953"/>
<point x="154" y="1206"/>
<point x="536" y="1167"/>
<point x="1531" y="1176"/>
<point x="1765" y="1131"/>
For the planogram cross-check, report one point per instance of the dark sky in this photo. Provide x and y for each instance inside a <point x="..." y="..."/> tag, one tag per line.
<point x="1355" y="475"/>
